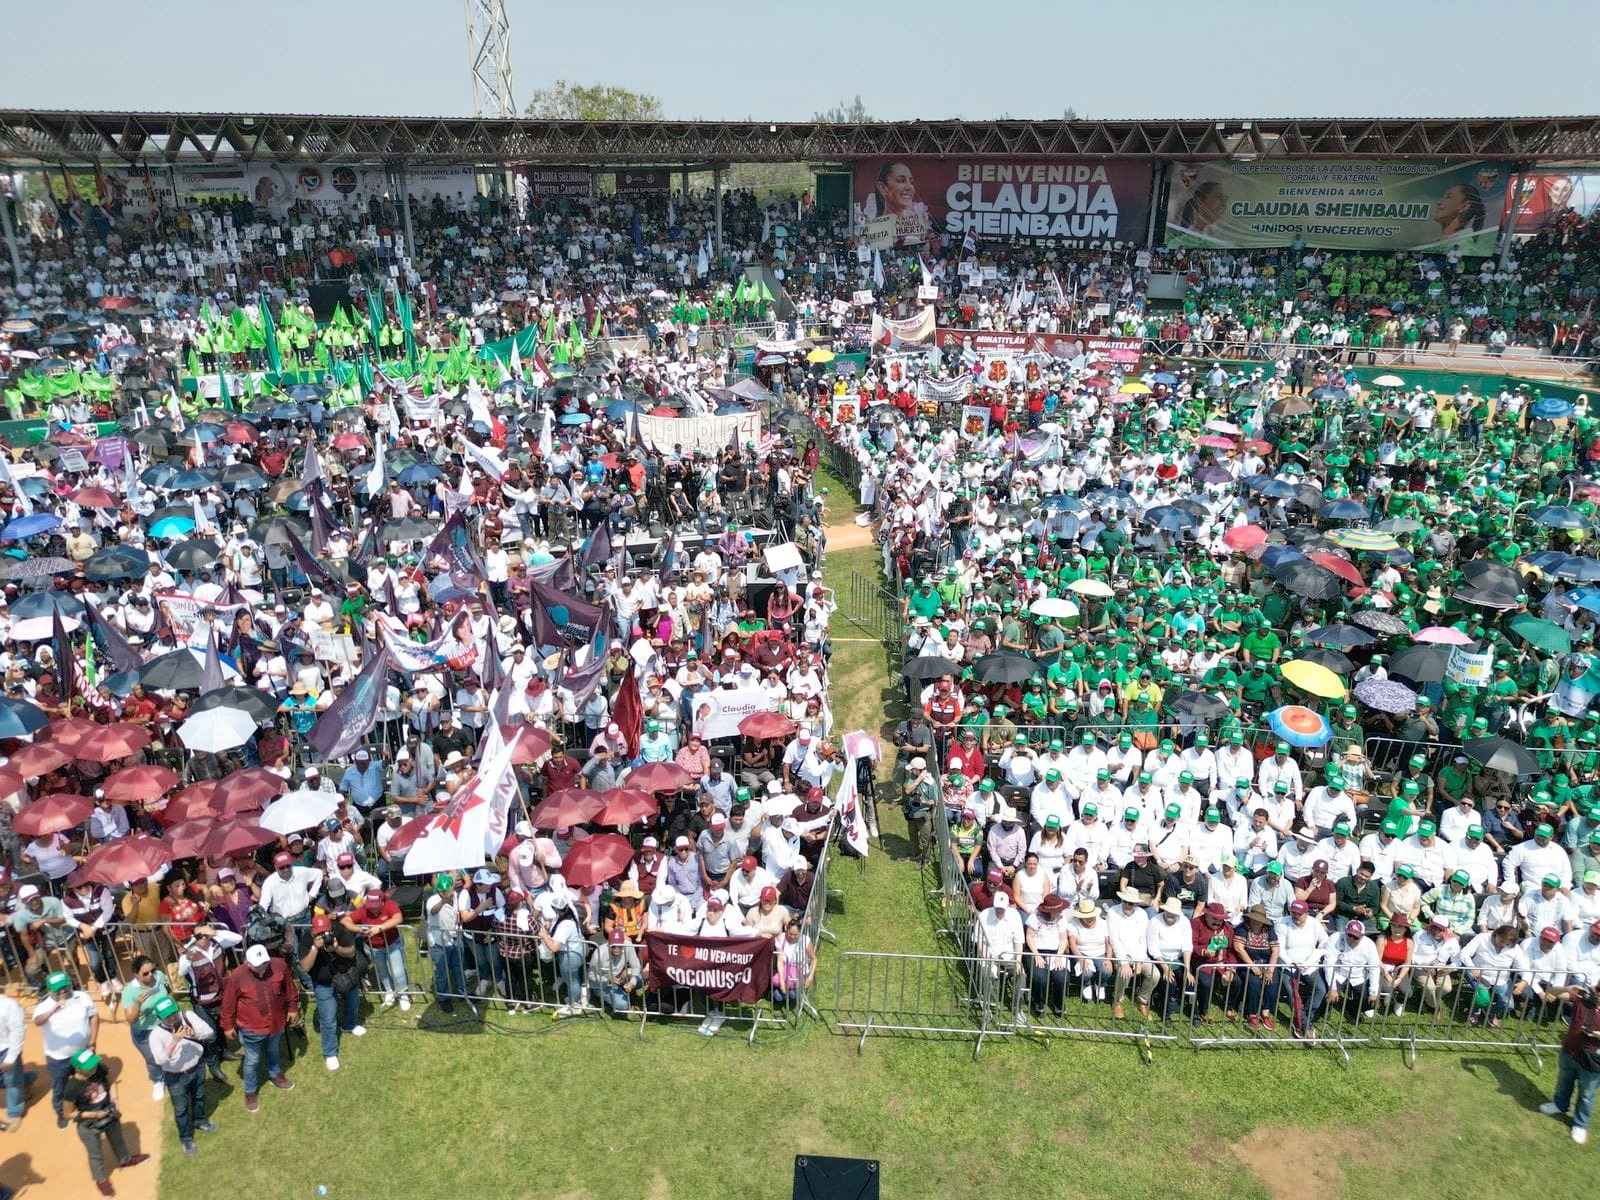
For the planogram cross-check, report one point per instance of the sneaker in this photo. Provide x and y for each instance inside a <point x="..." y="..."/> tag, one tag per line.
<point x="483" y="987"/>
<point x="1253" y="1021"/>
<point x="206" y="1126"/>
<point x="357" y="1031"/>
<point x="331" y="1062"/>
<point x="716" y="1024"/>
<point x="388" y="1000"/>
<point x="158" y="1092"/>
<point x="1551" y="1109"/>
<point x="405" y="1003"/>
<point x="1100" y="992"/>
<point x="61" y="1122"/>
<point x="188" y="1149"/>
<point x="704" y="1025"/>
<point x="282" y="1082"/>
<point x="1266" y="1019"/>
<point x="134" y="1160"/>
<point x="566" y="1010"/>
<point x="1088" y="992"/>
<point x="1494" y="1022"/>
<point x="1580" y="1135"/>
<point x="1371" y="1014"/>
<point x="252" y="1102"/>
<point x="105" y="1188"/>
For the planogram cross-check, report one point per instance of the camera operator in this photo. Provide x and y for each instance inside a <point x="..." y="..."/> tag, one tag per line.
<point x="1580" y="1058"/>
<point x="335" y="967"/>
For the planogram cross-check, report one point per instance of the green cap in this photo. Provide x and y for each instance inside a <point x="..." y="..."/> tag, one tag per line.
<point x="85" y="1060"/>
<point x="1087" y="739"/>
<point x="1103" y="773"/>
<point x="1283" y="747"/>
<point x="742" y="794"/>
<point x="1419" y="760"/>
<point x="1544" y="831"/>
<point x="1052" y="822"/>
<point x="1551" y="881"/>
<point x="57" y="981"/>
<point x="1185" y="776"/>
<point x="1174" y="811"/>
<point x="1236" y="737"/>
<point x="1201" y="739"/>
<point x="1427" y="829"/>
<point x="1146" y="777"/>
<point x="1125" y="740"/>
<point x="165" y="1007"/>
<point x="1213" y="815"/>
<point x="1591" y="877"/>
<point x="1460" y="877"/>
<point x="1281" y="786"/>
<point x="1242" y="785"/>
<point x="1274" y="867"/>
<point x="441" y="883"/>
<point x="1405" y="870"/>
<point x="1390" y="826"/>
<point x="1132" y="814"/>
<point x="1091" y="810"/>
<point x="1166" y="745"/>
<point x="986" y="785"/>
<point x="1410" y="788"/>
<point x="1052" y="774"/>
<point x="1475" y="831"/>
<point x="1056" y="743"/>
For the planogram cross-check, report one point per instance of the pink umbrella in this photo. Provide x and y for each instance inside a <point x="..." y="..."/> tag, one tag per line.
<point x="1216" y="442"/>
<point x="124" y="860"/>
<point x="1444" y="635"/>
<point x="1244" y="537"/>
<point x="659" y="777"/>
<point x="597" y="859"/>
<point x="1341" y="567"/>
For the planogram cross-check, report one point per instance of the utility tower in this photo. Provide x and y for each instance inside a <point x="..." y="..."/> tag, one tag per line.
<point x="489" y="52"/>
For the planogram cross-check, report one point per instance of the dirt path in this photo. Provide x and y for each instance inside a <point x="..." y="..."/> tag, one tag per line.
<point x="849" y="536"/>
<point x="41" y="1161"/>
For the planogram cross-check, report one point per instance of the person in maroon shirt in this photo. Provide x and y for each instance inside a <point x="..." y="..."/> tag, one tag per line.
<point x="986" y="889"/>
<point x="259" y="1000"/>
<point x="560" y="771"/>
<point x="1580" y="1059"/>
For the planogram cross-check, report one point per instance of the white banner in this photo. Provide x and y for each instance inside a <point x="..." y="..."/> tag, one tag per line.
<point x="709" y="435"/>
<point x="1469" y="669"/>
<point x="879" y="232"/>
<point x="944" y="391"/>
<point x="182" y="611"/>
<point x="974" y="422"/>
<point x="424" y="411"/>
<point x="722" y="709"/>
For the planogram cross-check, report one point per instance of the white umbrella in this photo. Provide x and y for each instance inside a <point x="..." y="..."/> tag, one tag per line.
<point x="36" y="629"/>
<point x="297" y="811"/>
<point x="1053" y="606"/>
<point x="217" y="729"/>
<point x="1090" y="587"/>
<point x="1388" y="381"/>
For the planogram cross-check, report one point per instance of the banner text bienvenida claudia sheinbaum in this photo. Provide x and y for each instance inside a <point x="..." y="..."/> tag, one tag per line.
<point x="1339" y="205"/>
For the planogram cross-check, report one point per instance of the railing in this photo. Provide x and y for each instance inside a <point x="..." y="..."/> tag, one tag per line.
<point x="873" y="607"/>
<point x="1388" y="754"/>
<point x="917" y="994"/>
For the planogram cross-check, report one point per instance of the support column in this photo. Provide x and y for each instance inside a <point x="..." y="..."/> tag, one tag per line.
<point x="685" y="179"/>
<point x="717" y="176"/>
<point x="11" y="234"/>
<point x="403" y="184"/>
<point x="1508" y="230"/>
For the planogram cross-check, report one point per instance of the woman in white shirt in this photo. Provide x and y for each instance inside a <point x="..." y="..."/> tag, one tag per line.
<point x="1030" y="886"/>
<point x="1045" y="935"/>
<point x="52" y="854"/>
<point x="1087" y="940"/>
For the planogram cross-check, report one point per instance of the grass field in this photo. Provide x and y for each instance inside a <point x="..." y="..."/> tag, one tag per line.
<point x="578" y="1109"/>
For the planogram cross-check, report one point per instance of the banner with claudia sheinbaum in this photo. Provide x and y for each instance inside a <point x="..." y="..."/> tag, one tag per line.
<point x="1338" y="205"/>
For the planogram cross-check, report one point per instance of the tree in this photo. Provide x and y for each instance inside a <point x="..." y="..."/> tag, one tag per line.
<point x="853" y="113"/>
<point x="564" y="101"/>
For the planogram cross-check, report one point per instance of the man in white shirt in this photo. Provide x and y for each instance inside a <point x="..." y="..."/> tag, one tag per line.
<point x="287" y="893"/>
<point x="1435" y="952"/>
<point x="13" y="1030"/>
<point x="1352" y="973"/>
<point x="1127" y="932"/>
<point x="1210" y="841"/>
<point x="1527" y="863"/>
<point x="1255" y="842"/>
<point x="1380" y="847"/>
<point x="1327" y="803"/>
<point x="1000" y="937"/>
<point x="1280" y="766"/>
<point x="1090" y="833"/>
<point x="71" y="1022"/>
<point x="1302" y="948"/>
<point x="1343" y="855"/>
<point x="1583" y="955"/>
<point x="1472" y="855"/>
<point x="1201" y="764"/>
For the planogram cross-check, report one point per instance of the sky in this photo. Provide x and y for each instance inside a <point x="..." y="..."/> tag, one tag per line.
<point x="736" y="59"/>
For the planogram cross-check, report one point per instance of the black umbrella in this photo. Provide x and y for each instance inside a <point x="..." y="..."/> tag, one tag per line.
<point x="261" y="706"/>
<point x="42" y="604"/>
<point x="929" y="666"/>
<point x="1487" y="575"/>
<point x="1308" y="538"/>
<point x="1292" y="406"/>
<point x="406" y="529"/>
<point x="178" y="670"/>
<point x="1004" y="666"/>
<point x="116" y="562"/>
<point x="1497" y="754"/>
<point x="1487" y="597"/>
<point x="1332" y="659"/>
<point x="1197" y="704"/>
<point x="1169" y="517"/>
<point x="193" y="555"/>
<point x="1421" y="664"/>
<point x="1344" y="637"/>
<point x="277" y="529"/>
<point x="1307" y="495"/>
<point x="1306" y="578"/>
<point x="1381" y="623"/>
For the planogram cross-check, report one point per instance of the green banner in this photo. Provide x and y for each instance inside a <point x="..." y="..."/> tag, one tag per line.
<point x="1338" y="205"/>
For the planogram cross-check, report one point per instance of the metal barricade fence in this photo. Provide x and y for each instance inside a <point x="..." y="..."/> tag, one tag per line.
<point x="1390" y="756"/>
<point x="953" y="894"/>
<point x="927" y="994"/>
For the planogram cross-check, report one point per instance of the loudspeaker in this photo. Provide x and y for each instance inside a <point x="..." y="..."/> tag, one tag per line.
<point x="817" y="1178"/>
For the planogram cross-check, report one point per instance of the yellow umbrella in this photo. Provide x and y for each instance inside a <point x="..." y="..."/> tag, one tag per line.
<point x="1134" y="388"/>
<point x="819" y="355"/>
<point x="1090" y="587"/>
<point x="1314" y="678"/>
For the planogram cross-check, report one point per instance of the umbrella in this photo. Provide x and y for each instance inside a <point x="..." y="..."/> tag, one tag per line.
<point x="597" y="859"/>
<point x="1305" y="578"/>
<point x="1497" y="754"/>
<point x="1244" y="537"/>
<point x="124" y="860"/>
<point x="1540" y="634"/>
<point x="247" y="789"/>
<point x="1363" y="539"/>
<point x="39" y="759"/>
<point x="235" y="838"/>
<point x="626" y="805"/>
<point x="196" y="554"/>
<point x="767" y="725"/>
<point x="1053" y="606"/>
<point x="1346" y="637"/>
<point x="1586" y="598"/>
<point x="1443" y="635"/>
<point x="1386" y="696"/>
<point x="1091" y="587"/>
<point x="659" y="777"/>
<point x="1487" y="575"/>
<point x="1550" y="408"/>
<point x="187" y="838"/>
<point x="418" y="473"/>
<point x="1215" y="441"/>
<point x="1381" y="623"/>
<point x="94" y="497"/>
<point x="1327" y="657"/>
<point x="67" y="732"/>
<point x="116" y="562"/>
<point x="1345" y="510"/>
<point x="1399" y="525"/>
<point x="42" y="604"/>
<point x="1191" y="703"/>
<point x="929" y="666"/>
<point x="404" y="837"/>
<point x="1558" y="516"/>
<point x="197" y="802"/>
<point x="1273" y="556"/>
<point x="36" y="629"/>
<point x="1205" y="476"/>
<point x="111" y="742"/>
<point x="1299" y="725"/>
<point x="1293" y="406"/>
<point x="1169" y="517"/>
<point x="278" y="529"/>
<point x="298" y="810"/>
<point x="569" y="806"/>
<point x="406" y="529"/>
<point x="143" y="783"/>
<point x="178" y="670"/>
<point x="29" y="526"/>
<point x="1214" y="426"/>
<point x="1004" y="666"/>
<point x="261" y="706"/>
<point x="217" y="730"/>
<point x="1486" y="598"/>
<point x="1388" y="381"/>
<point x="1577" y="569"/>
<point x="18" y="718"/>
<point x="55" y="813"/>
<point x="1342" y="567"/>
<point x="1134" y="388"/>
<point x="1313" y="677"/>
<point x="1421" y="664"/>
<point x="172" y="527"/>
<point x="37" y="568"/>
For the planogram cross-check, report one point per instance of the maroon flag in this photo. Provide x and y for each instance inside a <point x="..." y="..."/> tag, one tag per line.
<point x="628" y="711"/>
<point x="735" y="968"/>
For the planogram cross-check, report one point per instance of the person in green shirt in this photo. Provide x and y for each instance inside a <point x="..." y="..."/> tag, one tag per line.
<point x="1261" y="645"/>
<point x="923" y="601"/>
<point x="137" y="1004"/>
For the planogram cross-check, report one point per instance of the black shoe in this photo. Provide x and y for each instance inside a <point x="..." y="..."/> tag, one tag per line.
<point x="61" y="1122"/>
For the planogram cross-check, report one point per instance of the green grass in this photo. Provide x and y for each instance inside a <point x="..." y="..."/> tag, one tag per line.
<point x="529" y="1107"/>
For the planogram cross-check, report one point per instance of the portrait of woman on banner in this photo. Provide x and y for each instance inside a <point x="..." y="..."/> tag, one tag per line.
<point x="896" y="196"/>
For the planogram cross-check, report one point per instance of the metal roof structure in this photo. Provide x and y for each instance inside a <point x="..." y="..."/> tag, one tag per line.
<point x="40" y="138"/>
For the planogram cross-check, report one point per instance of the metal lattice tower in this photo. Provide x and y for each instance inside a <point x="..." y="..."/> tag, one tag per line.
<point x="489" y="52"/>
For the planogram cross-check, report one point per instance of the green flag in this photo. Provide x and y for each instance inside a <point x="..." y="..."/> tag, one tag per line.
<point x="364" y="375"/>
<point x="341" y="319"/>
<point x="374" y="314"/>
<point x="269" y="337"/>
<point x="224" y="400"/>
<point x="594" y="330"/>
<point x="402" y="305"/>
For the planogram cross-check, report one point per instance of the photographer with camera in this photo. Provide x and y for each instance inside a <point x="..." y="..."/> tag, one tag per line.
<point x="92" y="1109"/>
<point x="1580" y="1058"/>
<point x="335" y="966"/>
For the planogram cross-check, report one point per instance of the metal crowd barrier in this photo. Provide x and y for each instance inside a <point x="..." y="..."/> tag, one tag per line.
<point x="927" y="994"/>
<point x="1392" y="754"/>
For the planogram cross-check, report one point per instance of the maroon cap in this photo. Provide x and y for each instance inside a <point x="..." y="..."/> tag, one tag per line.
<point x="714" y="902"/>
<point x="1298" y="907"/>
<point x="1550" y="933"/>
<point x="769" y="893"/>
<point x="749" y="863"/>
<point x="1321" y="865"/>
<point x="1216" y="911"/>
<point x="995" y="876"/>
<point x="320" y="923"/>
<point x="345" y="860"/>
<point x="615" y="937"/>
<point x="282" y="858"/>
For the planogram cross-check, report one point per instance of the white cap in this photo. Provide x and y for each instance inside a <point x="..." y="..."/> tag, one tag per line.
<point x="681" y="843"/>
<point x="27" y="892"/>
<point x="1001" y="900"/>
<point x="524" y="829"/>
<point x="257" y="956"/>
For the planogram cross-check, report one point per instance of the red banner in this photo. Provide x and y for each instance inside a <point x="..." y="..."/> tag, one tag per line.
<point x="643" y="183"/>
<point x="735" y="968"/>
<point x="987" y="341"/>
<point x="1090" y="203"/>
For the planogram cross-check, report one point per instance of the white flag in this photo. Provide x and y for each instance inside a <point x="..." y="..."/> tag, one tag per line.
<point x="547" y="441"/>
<point x="484" y="456"/>
<point x="516" y="360"/>
<point x="24" y="501"/>
<point x="458" y="836"/>
<point x="877" y="270"/>
<point x="375" y="475"/>
<point x="846" y="801"/>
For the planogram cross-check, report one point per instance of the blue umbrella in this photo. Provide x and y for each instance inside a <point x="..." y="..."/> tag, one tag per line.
<point x="1060" y="502"/>
<point x="1586" y="598"/>
<point x="1272" y="556"/>
<point x="575" y="419"/>
<point x="1559" y="516"/>
<point x="285" y="412"/>
<point x="34" y="486"/>
<point x="205" y="433"/>
<point x="1578" y="569"/>
<point x="1550" y="407"/>
<point x="422" y="472"/>
<point x="1169" y="517"/>
<point x="304" y="392"/>
<point x="18" y="718"/>
<point x="192" y="480"/>
<point x="297" y="502"/>
<point x="1165" y="378"/>
<point x="172" y="527"/>
<point x="1547" y="560"/>
<point x="1344" y="510"/>
<point x="618" y="410"/>
<point x="1291" y="723"/>
<point x="116" y="562"/>
<point x="42" y="604"/>
<point x="158" y="476"/>
<point x="30" y="526"/>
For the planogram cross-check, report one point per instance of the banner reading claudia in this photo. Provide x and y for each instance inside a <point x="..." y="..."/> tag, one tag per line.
<point x="1085" y="202"/>
<point x="1338" y="205"/>
<point x="733" y="968"/>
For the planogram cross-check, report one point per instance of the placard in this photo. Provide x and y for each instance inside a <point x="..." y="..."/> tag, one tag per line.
<point x="862" y="297"/>
<point x="928" y="291"/>
<point x="717" y="713"/>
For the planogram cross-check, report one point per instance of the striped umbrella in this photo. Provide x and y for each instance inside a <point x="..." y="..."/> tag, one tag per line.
<point x="1363" y="539"/>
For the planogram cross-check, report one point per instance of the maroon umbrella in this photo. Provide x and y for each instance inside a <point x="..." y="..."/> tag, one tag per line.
<point x="767" y="725"/>
<point x="597" y="859"/>
<point x="111" y="742"/>
<point x="188" y="837"/>
<point x="52" y="814"/>
<point x="625" y="805"/>
<point x="140" y="783"/>
<point x="659" y="777"/>
<point x="124" y="860"/>
<point x="40" y="758"/>
<point x="67" y="732"/>
<point x="569" y="806"/>
<point x="248" y="790"/>
<point x="235" y="838"/>
<point x="197" y="802"/>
